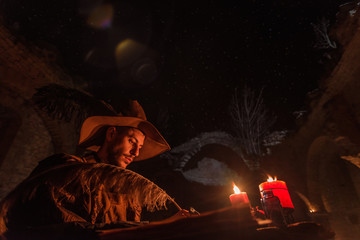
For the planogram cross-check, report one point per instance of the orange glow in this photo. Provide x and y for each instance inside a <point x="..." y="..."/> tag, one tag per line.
<point x="236" y="189"/>
<point x="270" y="179"/>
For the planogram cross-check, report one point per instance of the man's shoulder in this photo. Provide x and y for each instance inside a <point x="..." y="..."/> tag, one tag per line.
<point x="61" y="158"/>
<point x="57" y="160"/>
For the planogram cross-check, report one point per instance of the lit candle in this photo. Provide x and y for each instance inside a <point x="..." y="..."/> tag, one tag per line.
<point x="276" y="188"/>
<point x="238" y="197"/>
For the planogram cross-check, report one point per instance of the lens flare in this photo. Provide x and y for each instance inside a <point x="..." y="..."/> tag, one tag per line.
<point x="101" y="17"/>
<point x="127" y="51"/>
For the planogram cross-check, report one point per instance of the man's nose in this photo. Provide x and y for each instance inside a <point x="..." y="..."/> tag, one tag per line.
<point x="135" y="151"/>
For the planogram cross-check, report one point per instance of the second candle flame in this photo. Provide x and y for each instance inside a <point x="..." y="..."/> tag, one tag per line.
<point x="270" y="179"/>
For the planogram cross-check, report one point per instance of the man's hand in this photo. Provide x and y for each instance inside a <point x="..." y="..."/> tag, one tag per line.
<point x="180" y="214"/>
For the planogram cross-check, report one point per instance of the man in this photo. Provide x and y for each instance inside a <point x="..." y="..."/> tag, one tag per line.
<point x="122" y="145"/>
<point x="118" y="140"/>
<point x="66" y="188"/>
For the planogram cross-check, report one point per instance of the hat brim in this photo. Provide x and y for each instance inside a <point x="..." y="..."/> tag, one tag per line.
<point x="154" y="143"/>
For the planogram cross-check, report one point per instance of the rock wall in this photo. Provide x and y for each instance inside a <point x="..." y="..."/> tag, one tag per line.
<point x="311" y="160"/>
<point x="28" y="134"/>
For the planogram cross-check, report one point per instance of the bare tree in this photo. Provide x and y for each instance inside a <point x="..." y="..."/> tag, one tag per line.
<point x="251" y="120"/>
<point x="323" y="40"/>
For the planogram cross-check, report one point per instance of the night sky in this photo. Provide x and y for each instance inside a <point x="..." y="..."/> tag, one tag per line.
<point x="192" y="54"/>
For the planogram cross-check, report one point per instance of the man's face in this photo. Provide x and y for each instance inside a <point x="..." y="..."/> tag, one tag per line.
<point x="124" y="146"/>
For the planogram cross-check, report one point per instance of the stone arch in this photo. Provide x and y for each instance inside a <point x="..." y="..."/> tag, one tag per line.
<point x="222" y="153"/>
<point x="29" y="140"/>
<point x="30" y="134"/>
<point x="10" y="122"/>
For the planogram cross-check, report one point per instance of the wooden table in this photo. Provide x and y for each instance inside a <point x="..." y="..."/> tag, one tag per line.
<point x="223" y="224"/>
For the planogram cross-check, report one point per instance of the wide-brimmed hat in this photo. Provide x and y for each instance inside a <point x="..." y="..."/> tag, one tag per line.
<point x="93" y="130"/>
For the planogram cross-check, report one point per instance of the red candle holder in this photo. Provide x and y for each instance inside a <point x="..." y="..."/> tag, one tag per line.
<point x="276" y="201"/>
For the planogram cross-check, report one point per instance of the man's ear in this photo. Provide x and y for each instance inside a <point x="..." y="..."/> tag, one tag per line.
<point x="110" y="133"/>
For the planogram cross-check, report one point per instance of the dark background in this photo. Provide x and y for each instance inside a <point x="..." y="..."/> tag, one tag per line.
<point x="195" y="54"/>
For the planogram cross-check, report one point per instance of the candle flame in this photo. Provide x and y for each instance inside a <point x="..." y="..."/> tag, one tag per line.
<point x="270" y="179"/>
<point x="236" y="189"/>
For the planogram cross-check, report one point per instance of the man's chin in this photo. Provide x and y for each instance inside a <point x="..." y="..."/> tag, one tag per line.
<point x="122" y="164"/>
<point x="119" y="163"/>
